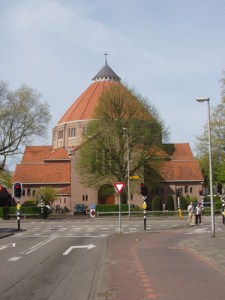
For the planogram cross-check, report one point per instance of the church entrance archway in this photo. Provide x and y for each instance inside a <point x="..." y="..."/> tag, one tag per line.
<point x="106" y="194"/>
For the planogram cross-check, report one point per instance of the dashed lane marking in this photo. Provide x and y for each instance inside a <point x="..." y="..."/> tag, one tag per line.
<point x="14" y="258"/>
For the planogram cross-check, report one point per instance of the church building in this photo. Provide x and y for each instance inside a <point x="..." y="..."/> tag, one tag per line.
<point x="54" y="165"/>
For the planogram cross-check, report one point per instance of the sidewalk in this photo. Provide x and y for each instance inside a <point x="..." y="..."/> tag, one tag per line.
<point x="127" y="268"/>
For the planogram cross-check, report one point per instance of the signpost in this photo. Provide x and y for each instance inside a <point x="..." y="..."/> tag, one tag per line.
<point x="119" y="186"/>
<point x="92" y="210"/>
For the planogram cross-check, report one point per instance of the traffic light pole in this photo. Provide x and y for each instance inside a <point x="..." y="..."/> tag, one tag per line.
<point x="17" y="194"/>
<point x="223" y="210"/>
<point x="144" y="207"/>
<point x="18" y="214"/>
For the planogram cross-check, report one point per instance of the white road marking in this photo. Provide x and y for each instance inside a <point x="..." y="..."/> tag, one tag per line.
<point x="14" y="258"/>
<point x="2" y="247"/>
<point x="37" y="246"/>
<point x="88" y="247"/>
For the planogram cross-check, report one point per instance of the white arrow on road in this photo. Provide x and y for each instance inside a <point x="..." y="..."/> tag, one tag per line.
<point x="2" y="247"/>
<point x="79" y="247"/>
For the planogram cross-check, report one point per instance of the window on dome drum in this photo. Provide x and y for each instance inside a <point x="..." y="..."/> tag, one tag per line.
<point x="186" y="189"/>
<point x="72" y="132"/>
<point x="60" y="134"/>
<point x="190" y="190"/>
<point x="28" y="192"/>
<point x="84" y="129"/>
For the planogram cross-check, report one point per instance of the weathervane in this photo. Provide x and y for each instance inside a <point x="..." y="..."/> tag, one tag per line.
<point x="105" y="57"/>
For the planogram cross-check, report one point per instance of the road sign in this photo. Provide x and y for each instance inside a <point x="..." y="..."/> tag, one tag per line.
<point x="119" y="186"/>
<point x="135" y="177"/>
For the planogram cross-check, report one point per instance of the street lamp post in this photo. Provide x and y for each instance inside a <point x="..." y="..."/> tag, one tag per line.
<point x="128" y="173"/>
<point x="210" y="166"/>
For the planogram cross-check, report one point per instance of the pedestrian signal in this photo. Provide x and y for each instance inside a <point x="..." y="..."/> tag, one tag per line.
<point x="17" y="190"/>
<point x="144" y="190"/>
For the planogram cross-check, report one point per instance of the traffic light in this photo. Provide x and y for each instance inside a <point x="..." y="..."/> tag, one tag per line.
<point x="219" y="188"/>
<point x="17" y="190"/>
<point x="144" y="190"/>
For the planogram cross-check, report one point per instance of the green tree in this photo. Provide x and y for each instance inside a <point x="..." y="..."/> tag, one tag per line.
<point x="50" y="194"/>
<point x="22" y="119"/>
<point x="125" y="125"/>
<point x="6" y="178"/>
<point x="217" y="128"/>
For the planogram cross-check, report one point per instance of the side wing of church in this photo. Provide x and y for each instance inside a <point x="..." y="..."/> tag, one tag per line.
<point x="54" y="165"/>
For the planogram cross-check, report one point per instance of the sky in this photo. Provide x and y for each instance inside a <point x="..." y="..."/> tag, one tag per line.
<point x="170" y="51"/>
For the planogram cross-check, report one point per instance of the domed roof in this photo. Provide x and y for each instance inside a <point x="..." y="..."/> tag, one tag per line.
<point x="83" y="107"/>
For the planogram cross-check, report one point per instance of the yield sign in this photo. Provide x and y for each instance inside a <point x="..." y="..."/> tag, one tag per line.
<point x="119" y="186"/>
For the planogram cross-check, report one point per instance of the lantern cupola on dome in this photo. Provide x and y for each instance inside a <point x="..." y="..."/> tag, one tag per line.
<point x="106" y="73"/>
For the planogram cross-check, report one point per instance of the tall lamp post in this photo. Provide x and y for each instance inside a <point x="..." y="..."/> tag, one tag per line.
<point x="128" y="173"/>
<point x="210" y="166"/>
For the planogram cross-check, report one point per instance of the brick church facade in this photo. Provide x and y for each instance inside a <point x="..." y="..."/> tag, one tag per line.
<point x="54" y="165"/>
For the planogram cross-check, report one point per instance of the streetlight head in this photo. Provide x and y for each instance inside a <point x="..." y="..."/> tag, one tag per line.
<point x="203" y="99"/>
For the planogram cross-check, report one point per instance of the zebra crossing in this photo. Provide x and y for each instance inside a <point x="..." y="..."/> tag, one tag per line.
<point x="44" y="230"/>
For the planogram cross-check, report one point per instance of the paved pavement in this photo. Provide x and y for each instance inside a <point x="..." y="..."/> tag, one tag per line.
<point x="129" y="270"/>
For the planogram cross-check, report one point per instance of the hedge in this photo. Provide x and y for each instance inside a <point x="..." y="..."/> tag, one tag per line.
<point x="5" y="211"/>
<point x="110" y="207"/>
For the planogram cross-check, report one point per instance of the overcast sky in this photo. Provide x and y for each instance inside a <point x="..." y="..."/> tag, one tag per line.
<point x="170" y="51"/>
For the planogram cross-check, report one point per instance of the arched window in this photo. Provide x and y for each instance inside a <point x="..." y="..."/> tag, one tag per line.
<point x="28" y="192"/>
<point x="186" y="189"/>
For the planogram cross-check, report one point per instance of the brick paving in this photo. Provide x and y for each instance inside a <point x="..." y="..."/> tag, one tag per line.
<point x="128" y="274"/>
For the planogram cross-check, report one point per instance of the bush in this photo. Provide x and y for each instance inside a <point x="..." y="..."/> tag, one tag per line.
<point x="218" y="204"/>
<point x="4" y="211"/>
<point x="188" y="199"/>
<point x="169" y="203"/>
<point x="157" y="204"/>
<point x="183" y="203"/>
<point x="111" y="207"/>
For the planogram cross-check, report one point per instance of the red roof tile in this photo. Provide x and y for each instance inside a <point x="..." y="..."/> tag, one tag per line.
<point x="51" y="173"/>
<point x="83" y="107"/>
<point x="65" y="191"/>
<point x="36" y="153"/>
<point x="58" y="154"/>
<point x="180" y="171"/>
<point x="182" y="151"/>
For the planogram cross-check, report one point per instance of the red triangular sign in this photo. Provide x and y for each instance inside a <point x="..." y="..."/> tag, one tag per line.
<point x="119" y="186"/>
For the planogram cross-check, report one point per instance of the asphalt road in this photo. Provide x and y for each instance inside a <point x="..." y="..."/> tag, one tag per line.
<point x="51" y="261"/>
<point x="81" y="258"/>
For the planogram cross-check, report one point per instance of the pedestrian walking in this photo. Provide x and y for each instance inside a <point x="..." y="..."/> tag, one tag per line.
<point x="191" y="214"/>
<point x="198" y="213"/>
